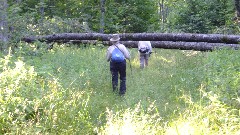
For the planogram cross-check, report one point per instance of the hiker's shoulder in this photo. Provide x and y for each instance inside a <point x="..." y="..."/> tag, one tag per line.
<point x="111" y="47"/>
<point x="121" y="45"/>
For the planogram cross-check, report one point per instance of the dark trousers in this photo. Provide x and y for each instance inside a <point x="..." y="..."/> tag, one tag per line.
<point x="118" y="69"/>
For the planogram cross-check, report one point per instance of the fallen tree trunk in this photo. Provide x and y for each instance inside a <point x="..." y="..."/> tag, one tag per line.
<point x="197" y="46"/>
<point x="187" y="37"/>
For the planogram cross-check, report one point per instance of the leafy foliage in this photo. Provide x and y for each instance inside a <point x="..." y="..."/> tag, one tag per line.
<point x="223" y="75"/>
<point x="34" y="103"/>
<point x="57" y="92"/>
<point x="192" y="16"/>
<point x="131" y="16"/>
<point x="67" y="90"/>
<point x="204" y="16"/>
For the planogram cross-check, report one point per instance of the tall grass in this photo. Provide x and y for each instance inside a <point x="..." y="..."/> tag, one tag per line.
<point x="67" y="90"/>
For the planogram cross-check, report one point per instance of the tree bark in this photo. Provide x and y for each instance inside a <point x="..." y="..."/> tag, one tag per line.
<point x="186" y="37"/>
<point x="197" y="46"/>
<point x="237" y="6"/>
<point x="41" y="9"/>
<point x="3" y="25"/>
<point x="102" y="22"/>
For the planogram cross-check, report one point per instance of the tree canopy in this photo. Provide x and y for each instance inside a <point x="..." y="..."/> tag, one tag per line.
<point x="46" y="17"/>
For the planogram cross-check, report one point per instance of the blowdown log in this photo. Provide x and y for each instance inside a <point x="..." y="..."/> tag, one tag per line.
<point x="183" y="41"/>
<point x="187" y="37"/>
<point x="198" y="46"/>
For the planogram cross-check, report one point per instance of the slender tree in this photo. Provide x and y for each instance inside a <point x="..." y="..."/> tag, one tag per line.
<point x="237" y="6"/>
<point x="102" y="22"/>
<point x="3" y="24"/>
<point x="162" y="13"/>
<point x="41" y="9"/>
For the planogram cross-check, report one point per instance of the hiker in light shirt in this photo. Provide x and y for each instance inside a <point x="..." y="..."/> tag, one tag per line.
<point x="144" y="49"/>
<point x="118" y="67"/>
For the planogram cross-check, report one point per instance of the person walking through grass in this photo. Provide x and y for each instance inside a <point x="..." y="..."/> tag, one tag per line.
<point x="117" y="54"/>
<point x="144" y="49"/>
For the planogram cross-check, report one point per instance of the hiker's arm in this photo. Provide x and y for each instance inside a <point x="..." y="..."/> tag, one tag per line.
<point x="150" y="46"/>
<point x="126" y="53"/>
<point x="108" y="55"/>
<point x="139" y="45"/>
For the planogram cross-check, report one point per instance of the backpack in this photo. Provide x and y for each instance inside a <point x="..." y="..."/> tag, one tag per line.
<point x="117" y="55"/>
<point x="143" y="50"/>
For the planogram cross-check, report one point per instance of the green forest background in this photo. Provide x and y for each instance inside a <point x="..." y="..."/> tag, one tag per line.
<point x="42" y="17"/>
<point x="67" y="89"/>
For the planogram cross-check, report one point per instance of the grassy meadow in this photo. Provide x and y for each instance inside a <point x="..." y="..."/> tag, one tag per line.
<point x="67" y="90"/>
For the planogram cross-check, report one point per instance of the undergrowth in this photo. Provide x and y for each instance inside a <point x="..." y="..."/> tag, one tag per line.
<point x="67" y="90"/>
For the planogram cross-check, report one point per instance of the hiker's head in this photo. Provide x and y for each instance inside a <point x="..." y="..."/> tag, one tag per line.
<point x="115" y="38"/>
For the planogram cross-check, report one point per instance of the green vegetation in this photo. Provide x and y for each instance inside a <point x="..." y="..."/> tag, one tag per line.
<point x="67" y="90"/>
<point x="43" y="17"/>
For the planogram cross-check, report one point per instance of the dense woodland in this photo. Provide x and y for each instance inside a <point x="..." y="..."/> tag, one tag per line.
<point x="51" y="82"/>
<point x="21" y="18"/>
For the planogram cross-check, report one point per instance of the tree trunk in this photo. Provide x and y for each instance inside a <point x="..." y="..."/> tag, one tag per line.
<point x="187" y="37"/>
<point x="3" y="24"/>
<point x="160" y="5"/>
<point x="162" y="12"/>
<point x="237" y="6"/>
<point x="197" y="46"/>
<point x="102" y="24"/>
<point x="41" y="9"/>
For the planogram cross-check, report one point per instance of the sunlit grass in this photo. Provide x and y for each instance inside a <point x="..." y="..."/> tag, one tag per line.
<point x="67" y="90"/>
<point x="132" y="121"/>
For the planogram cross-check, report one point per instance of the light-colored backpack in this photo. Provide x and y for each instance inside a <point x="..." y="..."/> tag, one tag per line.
<point x="144" y="49"/>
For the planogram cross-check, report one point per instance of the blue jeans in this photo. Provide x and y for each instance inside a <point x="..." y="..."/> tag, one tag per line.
<point x="118" y="68"/>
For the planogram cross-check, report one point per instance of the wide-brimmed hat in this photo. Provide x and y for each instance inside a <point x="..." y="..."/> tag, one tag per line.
<point x="115" y="37"/>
